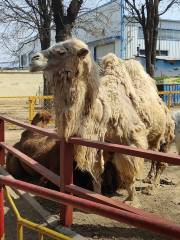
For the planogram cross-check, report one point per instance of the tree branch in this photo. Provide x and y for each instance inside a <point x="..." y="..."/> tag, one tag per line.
<point x="73" y="10"/>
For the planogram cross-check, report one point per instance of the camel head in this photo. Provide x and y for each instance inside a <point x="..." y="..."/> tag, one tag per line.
<point x="41" y="119"/>
<point x="62" y="59"/>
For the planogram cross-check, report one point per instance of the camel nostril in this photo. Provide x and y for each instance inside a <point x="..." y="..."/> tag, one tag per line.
<point x="36" y="57"/>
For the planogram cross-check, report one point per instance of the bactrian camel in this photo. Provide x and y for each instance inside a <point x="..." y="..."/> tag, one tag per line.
<point x="93" y="107"/>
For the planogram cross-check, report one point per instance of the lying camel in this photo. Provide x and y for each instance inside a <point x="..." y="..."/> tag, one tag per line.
<point x="45" y="151"/>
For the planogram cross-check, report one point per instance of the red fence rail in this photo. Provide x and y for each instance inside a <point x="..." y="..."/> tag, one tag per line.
<point x="89" y="201"/>
<point x="155" y="225"/>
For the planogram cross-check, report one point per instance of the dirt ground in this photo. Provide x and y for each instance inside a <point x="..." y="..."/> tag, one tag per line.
<point x="165" y="202"/>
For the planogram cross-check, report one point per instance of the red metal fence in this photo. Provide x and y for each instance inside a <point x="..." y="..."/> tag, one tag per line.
<point x="87" y="201"/>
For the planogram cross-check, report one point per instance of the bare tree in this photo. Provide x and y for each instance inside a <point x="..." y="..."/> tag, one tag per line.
<point x="29" y="20"/>
<point x="147" y="14"/>
<point x="33" y="15"/>
<point x="26" y="21"/>
<point x="64" y="17"/>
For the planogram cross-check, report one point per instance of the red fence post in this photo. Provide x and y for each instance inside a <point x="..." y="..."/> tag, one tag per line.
<point x="66" y="178"/>
<point x="1" y="214"/>
<point x="2" y="153"/>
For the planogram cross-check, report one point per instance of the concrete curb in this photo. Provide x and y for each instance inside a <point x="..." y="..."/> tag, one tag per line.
<point x="49" y="219"/>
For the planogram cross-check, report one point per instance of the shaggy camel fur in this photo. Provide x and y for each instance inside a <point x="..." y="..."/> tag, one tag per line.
<point x="92" y="108"/>
<point x="43" y="149"/>
<point x="153" y="112"/>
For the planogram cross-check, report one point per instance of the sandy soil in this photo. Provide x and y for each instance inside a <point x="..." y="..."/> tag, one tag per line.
<point x="165" y="202"/>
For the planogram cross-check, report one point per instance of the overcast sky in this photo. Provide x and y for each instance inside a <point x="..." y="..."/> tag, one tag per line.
<point x="173" y="13"/>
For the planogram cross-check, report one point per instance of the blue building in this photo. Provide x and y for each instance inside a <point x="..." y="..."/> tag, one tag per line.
<point x="165" y="66"/>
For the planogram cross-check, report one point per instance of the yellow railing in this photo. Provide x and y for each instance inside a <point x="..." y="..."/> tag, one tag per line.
<point x="32" y="103"/>
<point x="22" y="222"/>
<point x="170" y="95"/>
<point x="25" y="107"/>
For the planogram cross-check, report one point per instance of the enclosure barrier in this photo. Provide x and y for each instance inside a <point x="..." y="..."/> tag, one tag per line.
<point x="84" y="200"/>
<point x="27" y="106"/>
<point x="44" y="102"/>
<point x="22" y="222"/>
<point x="170" y="95"/>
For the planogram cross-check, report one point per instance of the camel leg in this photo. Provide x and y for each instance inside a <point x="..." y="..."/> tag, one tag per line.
<point x="160" y="167"/>
<point x="97" y="186"/>
<point x="151" y="173"/>
<point x="128" y="168"/>
<point x="131" y="191"/>
<point x="97" y="173"/>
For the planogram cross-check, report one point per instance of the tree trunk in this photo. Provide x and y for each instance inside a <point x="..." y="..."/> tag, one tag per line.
<point x="63" y="32"/>
<point x="45" y="40"/>
<point x="150" y="68"/>
<point x="149" y="65"/>
<point x="64" y="20"/>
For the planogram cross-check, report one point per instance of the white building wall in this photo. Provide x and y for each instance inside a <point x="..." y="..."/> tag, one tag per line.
<point x="169" y="24"/>
<point x="173" y="47"/>
<point x="117" y="47"/>
<point x="169" y="38"/>
<point x="102" y="22"/>
<point x="105" y="32"/>
<point x="131" y="43"/>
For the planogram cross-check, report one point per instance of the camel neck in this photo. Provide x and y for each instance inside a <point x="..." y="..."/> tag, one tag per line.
<point x="74" y="99"/>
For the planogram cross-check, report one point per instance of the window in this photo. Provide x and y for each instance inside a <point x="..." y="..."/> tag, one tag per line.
<point x="163" y="34"/>
<point x="162" y="53"/>
<point x="158" y="53"/>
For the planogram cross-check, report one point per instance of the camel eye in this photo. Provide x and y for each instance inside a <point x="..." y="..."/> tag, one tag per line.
<point x="61" y="52"/>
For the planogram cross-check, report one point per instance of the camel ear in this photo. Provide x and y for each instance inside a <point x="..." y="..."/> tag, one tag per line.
<point x="82" y="52"/>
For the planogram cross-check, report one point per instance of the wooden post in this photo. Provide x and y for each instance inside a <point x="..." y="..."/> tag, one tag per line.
<point x="170" y="101"/>
<point x="31" y="108"/>
<point x="1" y="214"/>
<point x="66" y="178"/>
<point x="2" y="153"/>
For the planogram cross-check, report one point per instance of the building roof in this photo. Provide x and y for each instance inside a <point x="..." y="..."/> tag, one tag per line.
<point x="111" y="1"/>
<point x="163" y="58"/>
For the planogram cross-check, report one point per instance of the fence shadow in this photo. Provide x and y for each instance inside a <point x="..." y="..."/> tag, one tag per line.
<point x="116" y="232"/>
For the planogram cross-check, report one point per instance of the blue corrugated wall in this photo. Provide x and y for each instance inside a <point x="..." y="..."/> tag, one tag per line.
<point x="170" y="87"/>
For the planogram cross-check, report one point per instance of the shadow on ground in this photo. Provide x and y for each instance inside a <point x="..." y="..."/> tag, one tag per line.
<point x="121" y="233"/>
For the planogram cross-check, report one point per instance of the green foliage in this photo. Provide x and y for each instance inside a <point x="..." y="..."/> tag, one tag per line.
<point x="167" y="79"/>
